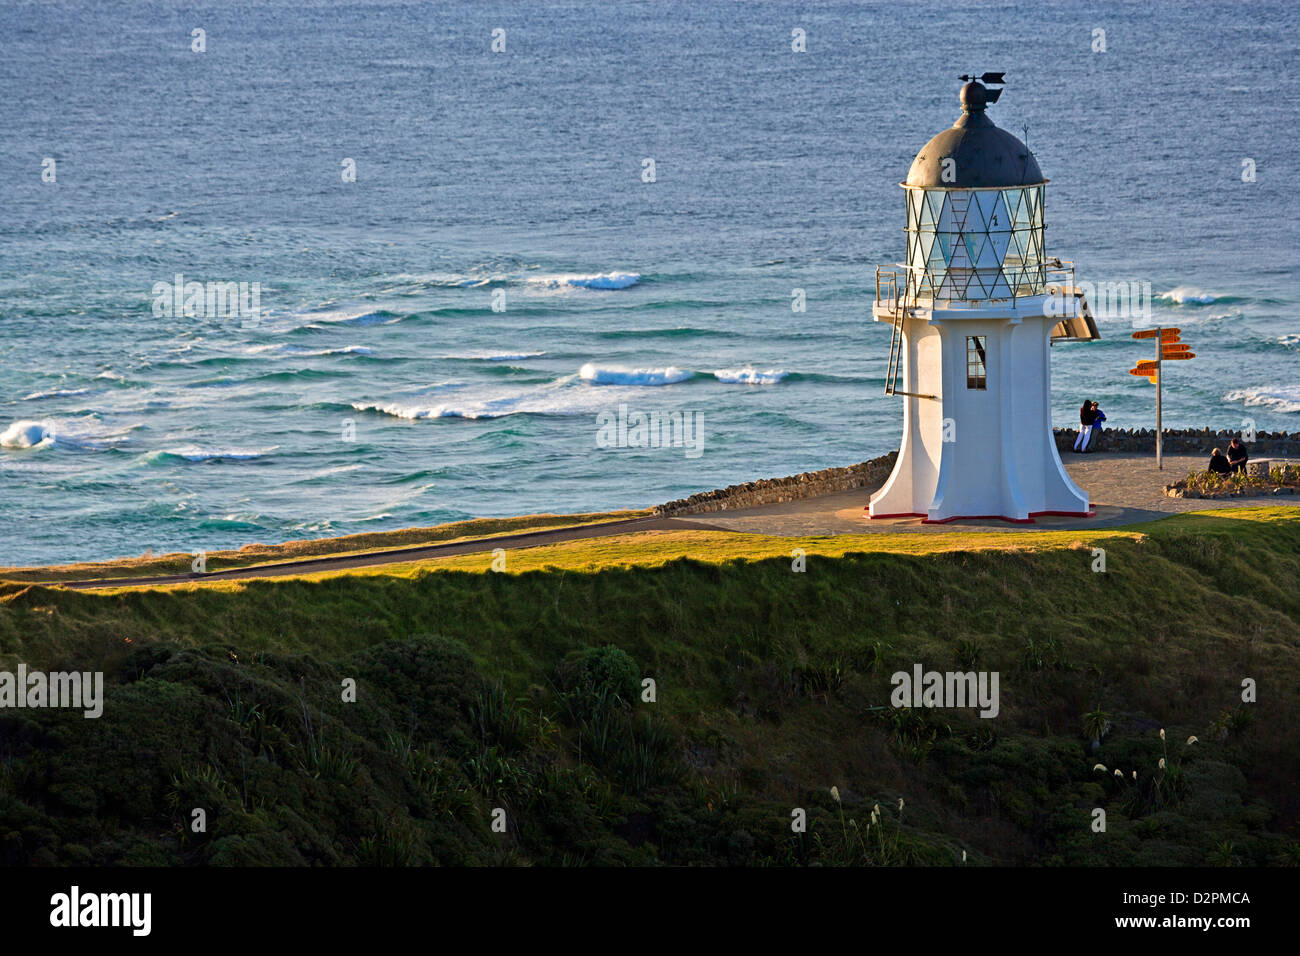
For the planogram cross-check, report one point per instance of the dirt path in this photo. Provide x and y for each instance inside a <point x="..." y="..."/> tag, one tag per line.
<point x="1125" y="489"/>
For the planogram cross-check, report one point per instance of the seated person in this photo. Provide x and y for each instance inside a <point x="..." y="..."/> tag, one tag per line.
<point x="1219" y="464"/>
<point x="1237" y="455"/>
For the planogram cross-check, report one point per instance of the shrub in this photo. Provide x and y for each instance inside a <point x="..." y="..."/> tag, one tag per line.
<point x="593" y="680"/>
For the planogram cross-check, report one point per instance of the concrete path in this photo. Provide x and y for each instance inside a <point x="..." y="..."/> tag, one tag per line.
<point x="1124" y="488"/>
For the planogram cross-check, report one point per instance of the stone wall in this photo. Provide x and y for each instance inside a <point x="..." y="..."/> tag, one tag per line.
<point x="769" y="491"/>
<point x="1184" y="441"/>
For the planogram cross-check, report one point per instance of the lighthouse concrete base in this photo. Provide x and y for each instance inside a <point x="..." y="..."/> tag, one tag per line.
<point x="977" y="431"/>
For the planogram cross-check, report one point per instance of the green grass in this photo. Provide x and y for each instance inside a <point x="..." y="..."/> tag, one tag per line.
<point x="479" y="690"/>
<point x="253" y="555"/>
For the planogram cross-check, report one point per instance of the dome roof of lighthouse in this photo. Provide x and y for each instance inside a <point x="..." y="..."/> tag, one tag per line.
<point x="984" y="156"/>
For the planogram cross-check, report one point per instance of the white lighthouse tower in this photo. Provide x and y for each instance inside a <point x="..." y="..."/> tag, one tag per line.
<point x="974" y="311"/>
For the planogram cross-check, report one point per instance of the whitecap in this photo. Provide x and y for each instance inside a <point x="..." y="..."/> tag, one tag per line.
<point x="617" y="375"/>
<point x="1187" y="295"/>
<point x="1279" y="398"/>
<point x="55" y="393"/>
<point x="552" y="399"/>
<point x="488" y="355"/>
<point x="306" y="351"/>
<point x="193" y="453"/>
<point x="600" y="280"/>
<point x="27" y="434"/>
<point x="84" y="434"/>
<point x="749" y="376"/>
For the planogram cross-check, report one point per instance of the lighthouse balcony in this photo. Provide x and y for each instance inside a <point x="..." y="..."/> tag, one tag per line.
<point x="900" y="295"/>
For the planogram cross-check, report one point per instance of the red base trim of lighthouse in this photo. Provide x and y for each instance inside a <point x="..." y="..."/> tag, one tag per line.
<point x="1029" y="520"/>
<point x="977" y="518"/>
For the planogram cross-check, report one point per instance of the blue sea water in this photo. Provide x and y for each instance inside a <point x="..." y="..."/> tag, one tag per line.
<point x="381" y="390"/>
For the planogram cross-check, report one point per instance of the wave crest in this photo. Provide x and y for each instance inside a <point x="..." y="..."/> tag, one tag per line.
<point x="749" y="376"/>
<point x="1279" y="398"/>
<point x="617" y="375"/>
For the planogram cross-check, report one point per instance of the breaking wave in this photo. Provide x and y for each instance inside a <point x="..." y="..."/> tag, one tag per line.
<point x="749" y="376"/>
<point x="1278" y="398"/>
<point x="617" y="375"/>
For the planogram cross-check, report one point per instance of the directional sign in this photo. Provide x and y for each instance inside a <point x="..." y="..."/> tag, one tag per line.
<point x="1166" y="335"/>
<point x="1143" y="363"/>
<point x="1175" y="346"/>
<point x="1179" y="356"/>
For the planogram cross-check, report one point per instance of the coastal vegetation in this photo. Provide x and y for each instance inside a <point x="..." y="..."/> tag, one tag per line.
<point x="677" y="698"/>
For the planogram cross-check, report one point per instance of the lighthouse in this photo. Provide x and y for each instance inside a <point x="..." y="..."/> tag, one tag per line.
<point x="973" y="313"/>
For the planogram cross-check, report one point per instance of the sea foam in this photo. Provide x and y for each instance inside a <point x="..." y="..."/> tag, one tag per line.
<point x="55" y="393"/>
<point x="1279" y="398"/>
<point x="749" y="376"/>
<point x="601" y="280"/>
<point x="1187" y="295"/>
<point x="617" y="375"/>
<point x="488" y="355"/>
<point x="194" y="454"/>
<point x="26" y="434"/>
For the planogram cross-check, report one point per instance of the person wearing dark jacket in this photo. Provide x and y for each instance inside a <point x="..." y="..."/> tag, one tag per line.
<point x="1086" y="417"/>
<point x="1219" y="464"/>
<point x="1237" y="455"/>
<point x="1094" y="437"/>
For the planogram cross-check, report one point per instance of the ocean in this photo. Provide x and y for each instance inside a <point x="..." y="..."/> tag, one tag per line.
<point x="620" y="209"/>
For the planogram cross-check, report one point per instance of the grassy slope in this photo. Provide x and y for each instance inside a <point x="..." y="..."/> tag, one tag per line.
<point x="770" y="691"/>
<point x="255" y="554"/>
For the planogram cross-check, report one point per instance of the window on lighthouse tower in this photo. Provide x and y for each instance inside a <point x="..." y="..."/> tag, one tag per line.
<point x="976" y="369"/>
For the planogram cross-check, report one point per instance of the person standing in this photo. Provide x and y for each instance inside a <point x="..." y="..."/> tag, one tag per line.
<point x="1086" y="417"/>
<point x="1094" y="439"/>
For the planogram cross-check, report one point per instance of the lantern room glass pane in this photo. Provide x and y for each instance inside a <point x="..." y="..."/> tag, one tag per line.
<point x="929" y="208"/>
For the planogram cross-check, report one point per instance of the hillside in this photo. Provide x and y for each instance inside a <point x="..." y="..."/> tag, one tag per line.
<point x="522" y="691"/>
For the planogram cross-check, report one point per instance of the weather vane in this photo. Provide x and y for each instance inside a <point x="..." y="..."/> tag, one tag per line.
<point x="991" y="96"/>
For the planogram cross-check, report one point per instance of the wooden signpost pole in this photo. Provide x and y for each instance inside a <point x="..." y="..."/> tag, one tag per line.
<point x="1160" y="384"/>
<point x="1168" y="348"/>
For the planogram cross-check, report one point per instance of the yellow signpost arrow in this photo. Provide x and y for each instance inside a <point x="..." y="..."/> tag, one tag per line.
<point x="1168" y="349"/>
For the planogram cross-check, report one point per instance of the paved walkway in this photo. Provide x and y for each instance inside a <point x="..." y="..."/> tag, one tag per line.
<point x="1124" y="488"/>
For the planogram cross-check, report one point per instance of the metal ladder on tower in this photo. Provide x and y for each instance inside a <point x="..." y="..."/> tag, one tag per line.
<point x="959" y="202"/>
<point x="901" y="306"/>
<point x="898" y="298"/>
